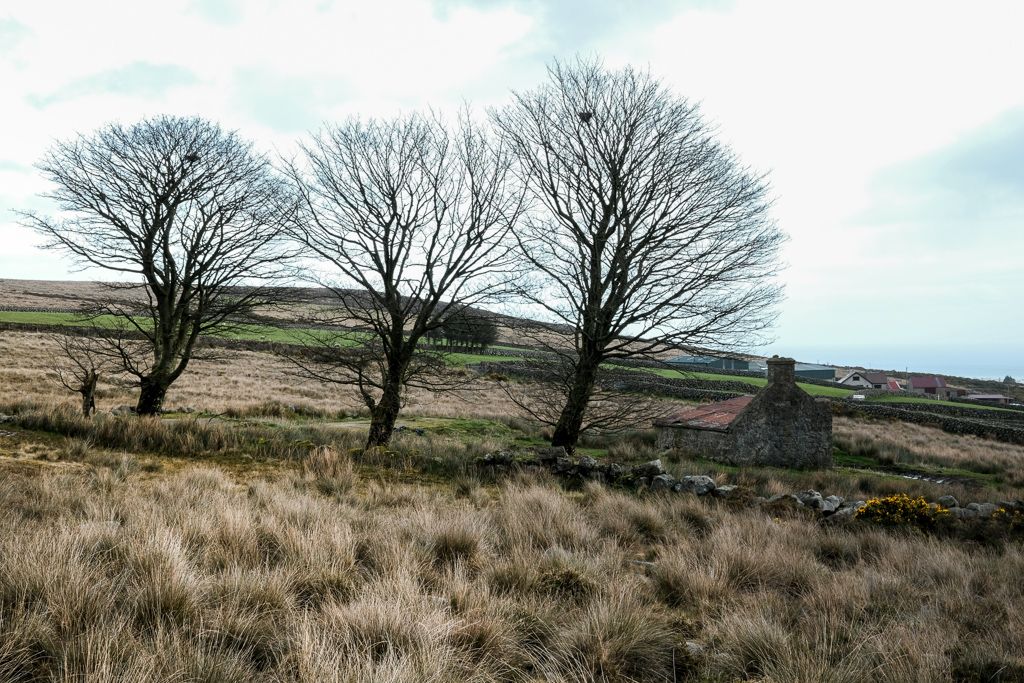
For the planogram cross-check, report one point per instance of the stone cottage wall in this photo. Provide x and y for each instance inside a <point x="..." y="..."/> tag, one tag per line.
<point x="699" y="442"/>
<point x="783" y="432"/>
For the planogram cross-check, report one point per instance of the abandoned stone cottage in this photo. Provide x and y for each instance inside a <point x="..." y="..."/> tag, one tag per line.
<point x="782" y="426"/>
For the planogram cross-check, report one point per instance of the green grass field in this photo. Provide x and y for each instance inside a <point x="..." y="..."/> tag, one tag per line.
<point x="812" y="389"/>
<point x="930" y="401"/>
<point x="54" y="318"/>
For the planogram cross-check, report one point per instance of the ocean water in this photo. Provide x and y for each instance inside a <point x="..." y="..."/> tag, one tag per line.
<point x="991" y="363"/>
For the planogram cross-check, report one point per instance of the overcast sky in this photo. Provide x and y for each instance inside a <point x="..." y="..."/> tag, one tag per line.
<point x="893" y="131"/>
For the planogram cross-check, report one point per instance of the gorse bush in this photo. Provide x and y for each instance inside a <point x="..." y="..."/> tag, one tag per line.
<point x="902" y="510"/>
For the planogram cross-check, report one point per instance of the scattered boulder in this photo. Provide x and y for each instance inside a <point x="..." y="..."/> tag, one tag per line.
<point x="497" y="459"/>
<point x="587" y="463"/>
<point x="811" y="499"/>
<point x="615" y="471"/>
<point x="948" y="501"/>
<point x="563" y="464"/>
<point x="782" y="503"/>
<point x="983" y="509"/>
<point x="724" y="491"/>
<point x="785" y="497"/>
<point x="846" y="511"/>
<point x="700" y="484"/>
<point x="830" y="504"/>
<point x="550" y="454"/>
<point x="648" y="469"/>
<point x="663" y="482"/>
<point x="963" y="513"/>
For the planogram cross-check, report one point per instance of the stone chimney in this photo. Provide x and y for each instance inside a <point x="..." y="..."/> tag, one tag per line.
<point x="781" y="370"/>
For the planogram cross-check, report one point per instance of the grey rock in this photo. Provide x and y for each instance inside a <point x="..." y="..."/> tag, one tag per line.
<point x="550" y="454"/>
<point x="700" y="484"/>
<point x="948" y="501"/>
<point x="649" y="469"/>
<point x="831" y="504"/>
<point x="615" y="471"/>
<point x="562" y="464"/>
<point x="811" y="499"/>
<point x="845" y="512"/>
<point x="963" y="513"/>
<point x="983" y="509"/>
<point x="662" y="482"/>
<point x="785" y="496"/>
<point x="497" y="458"/>
<point x="724" y="491"/>
<point x="1009" y="505"/>
<point x="587" y="463"/>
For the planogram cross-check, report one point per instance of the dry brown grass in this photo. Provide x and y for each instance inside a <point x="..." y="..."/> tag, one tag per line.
<point x="911" y="444"/>
<point x="312" y="574"/>
<point x="244" y="383"/>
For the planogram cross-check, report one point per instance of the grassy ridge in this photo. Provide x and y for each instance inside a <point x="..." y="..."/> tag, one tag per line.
<point x="264" y="333"/>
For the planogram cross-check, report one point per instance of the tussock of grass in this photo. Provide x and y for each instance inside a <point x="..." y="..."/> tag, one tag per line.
<point x="190" y="575"/>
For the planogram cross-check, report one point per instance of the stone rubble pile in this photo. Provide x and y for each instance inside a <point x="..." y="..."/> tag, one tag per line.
<point x="651" y="476"/>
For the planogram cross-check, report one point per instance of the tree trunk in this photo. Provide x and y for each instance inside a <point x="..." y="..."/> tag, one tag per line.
<point x="88" y="391"/>
<point x="570" y="422"/>
<point x="385" y="414"/>
<point x="151" y="396"/>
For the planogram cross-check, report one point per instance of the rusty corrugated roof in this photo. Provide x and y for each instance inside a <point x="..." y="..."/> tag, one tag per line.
<point x="716" y="416"/>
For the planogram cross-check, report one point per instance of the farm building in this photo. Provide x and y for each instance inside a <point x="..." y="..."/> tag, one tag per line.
<point x="782" y="425"/>
<point x="812" y="371"/>
<point x="931" y="385"/>
<point x="718" y="362"/>
<point x="865" y="380"/>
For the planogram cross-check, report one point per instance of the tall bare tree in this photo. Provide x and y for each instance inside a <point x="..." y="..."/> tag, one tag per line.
<point x="648" y="234"/>
<point x="184" y="211"/>
<point x="412" y="217"/>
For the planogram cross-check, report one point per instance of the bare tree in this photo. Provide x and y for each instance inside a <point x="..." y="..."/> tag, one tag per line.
<point x="412" y="218"/>
<point x="541" y="386"/>
<point x="79" y="362"/>
<point x="189" y="214"/>
<point x="647" y="234"/>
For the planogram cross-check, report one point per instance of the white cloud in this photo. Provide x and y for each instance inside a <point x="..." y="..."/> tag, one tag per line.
<point x="824" y="95"/>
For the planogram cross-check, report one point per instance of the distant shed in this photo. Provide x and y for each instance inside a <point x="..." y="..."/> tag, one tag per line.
<point x="812" y="371"/>
<point x="718" y="362"/>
